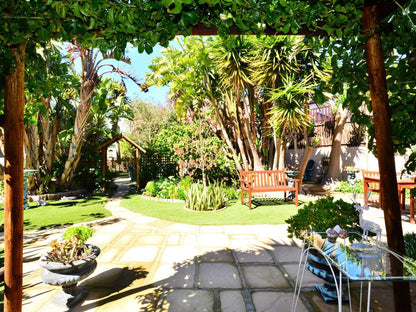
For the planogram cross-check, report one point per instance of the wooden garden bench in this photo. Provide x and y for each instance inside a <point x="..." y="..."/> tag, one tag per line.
<point x="266" y="181"/>
<point x="371" y="181"/>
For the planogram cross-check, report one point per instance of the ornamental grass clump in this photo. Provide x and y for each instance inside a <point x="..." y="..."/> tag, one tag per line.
<point x="210" y="198"/>
<point x="72" y="247"/>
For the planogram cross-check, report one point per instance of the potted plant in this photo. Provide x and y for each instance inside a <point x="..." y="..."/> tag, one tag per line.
<point x="69" y="261"/>
<point x="322" y="216"/>
<point x="351" y="174"/>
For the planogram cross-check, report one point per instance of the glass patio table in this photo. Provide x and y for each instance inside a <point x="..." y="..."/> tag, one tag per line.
<point x="364" y="260"/>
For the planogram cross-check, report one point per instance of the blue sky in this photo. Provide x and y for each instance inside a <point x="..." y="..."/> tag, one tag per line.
<point x="139" y="67"/>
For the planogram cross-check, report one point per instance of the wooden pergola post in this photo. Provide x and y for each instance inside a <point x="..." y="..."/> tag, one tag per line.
<point x="13" y="176"/>
<point x="389" y="199"/>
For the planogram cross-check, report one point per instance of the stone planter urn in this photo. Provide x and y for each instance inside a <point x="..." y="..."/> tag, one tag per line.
<point x="67" y="275"/>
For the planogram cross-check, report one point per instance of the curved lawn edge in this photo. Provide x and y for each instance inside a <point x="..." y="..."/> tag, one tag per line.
<point x="269" y="212"/>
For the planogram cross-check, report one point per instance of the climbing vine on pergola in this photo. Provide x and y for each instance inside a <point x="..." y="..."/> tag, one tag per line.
<point x="111" y="25"/>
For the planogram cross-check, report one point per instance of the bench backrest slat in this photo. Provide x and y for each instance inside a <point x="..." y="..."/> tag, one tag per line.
<point x="264" y="178"/>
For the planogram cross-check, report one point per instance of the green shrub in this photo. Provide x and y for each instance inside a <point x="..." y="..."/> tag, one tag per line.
<point x="212" y="199"/>
<point x="231" y="192"/>
<point x="322" y="214"/>
<point x="410" y="245"/>
<point x="173" y="188"/>
<point x="345" y="187"/>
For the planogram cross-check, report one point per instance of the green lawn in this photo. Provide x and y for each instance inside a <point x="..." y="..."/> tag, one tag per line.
<point x="57" y="213"/>
<point x="270" y="211"/>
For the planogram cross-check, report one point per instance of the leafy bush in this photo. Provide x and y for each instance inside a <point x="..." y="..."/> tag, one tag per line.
<point x="322" y="214"/>
<point x="410" y="245"/>
<point x="174" y="188"/>
<point x="345" y="187"/>
<point x="231" y="192"/>
<point x="212" y="199"/>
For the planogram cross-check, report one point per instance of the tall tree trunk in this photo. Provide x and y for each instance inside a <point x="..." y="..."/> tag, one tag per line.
<point x="334" y="169"/>
<point x="280" y="154"/>
<point x="389" y="198"/>
<point x="304" y="162"/>
<point x="30" y="139"/>
<point x="245" y="125"/>
<point x="80" y="129"/>
<point x="51" y="138"/>
<point x="271" y="153"/>
<point x="226" y="138"/>
<point x="13" y="176"/>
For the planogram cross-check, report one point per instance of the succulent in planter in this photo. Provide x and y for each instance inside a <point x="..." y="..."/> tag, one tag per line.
<point x="72" y="247"/>
<point x="69" y="261"/>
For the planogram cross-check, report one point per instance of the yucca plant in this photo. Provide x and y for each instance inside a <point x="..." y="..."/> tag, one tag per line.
<point x="209" y="199"/>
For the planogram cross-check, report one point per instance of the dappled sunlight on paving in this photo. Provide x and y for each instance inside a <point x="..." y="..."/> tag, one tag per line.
<point x="150" y="265"/>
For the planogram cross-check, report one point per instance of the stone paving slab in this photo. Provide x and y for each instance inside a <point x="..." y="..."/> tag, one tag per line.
<point x="264" y="276"/>
<point x="189" y="301"/>
<point x="272" y="301"/>
<point x="219" y="275"/>
<point x="249" y="256"/>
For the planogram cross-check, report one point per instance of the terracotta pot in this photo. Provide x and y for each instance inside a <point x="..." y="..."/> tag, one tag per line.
<point x="68" y="275"/>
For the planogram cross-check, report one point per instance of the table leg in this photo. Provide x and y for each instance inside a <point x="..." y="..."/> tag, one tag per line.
<point x="340" y="292"/>
<point x="412" y="208"/>
<point x="369" y="297"/>
<point x="401" y="192"/>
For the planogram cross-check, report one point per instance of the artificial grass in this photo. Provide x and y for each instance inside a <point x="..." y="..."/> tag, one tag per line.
<point x="264" y="211"/>
<point x="58" y="213"/>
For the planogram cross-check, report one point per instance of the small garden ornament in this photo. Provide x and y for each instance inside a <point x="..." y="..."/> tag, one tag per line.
<point x="69" y="261"/>
<point x="366" y="225"/>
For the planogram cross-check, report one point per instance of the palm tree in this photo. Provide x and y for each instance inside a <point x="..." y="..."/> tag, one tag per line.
<point x="231" y="57"/>
<point x="291" y="115"/>
<point x="272" y="58"/>
<point x="92" y="71"/>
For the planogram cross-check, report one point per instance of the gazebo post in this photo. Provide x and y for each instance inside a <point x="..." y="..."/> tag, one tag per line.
<point x="389" y="199"/>
<point x="13" y="176"/>
<point x="103" y="168"/>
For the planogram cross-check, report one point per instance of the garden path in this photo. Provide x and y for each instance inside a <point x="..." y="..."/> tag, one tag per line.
<point x="148" y="264"/>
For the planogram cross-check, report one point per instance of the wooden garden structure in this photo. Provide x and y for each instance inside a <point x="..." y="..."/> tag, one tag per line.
<point x="14" y="40"/>
<point x="103" y="149"/>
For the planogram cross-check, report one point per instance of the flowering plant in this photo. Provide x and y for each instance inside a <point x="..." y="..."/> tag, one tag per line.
<point x="350" y="168"/>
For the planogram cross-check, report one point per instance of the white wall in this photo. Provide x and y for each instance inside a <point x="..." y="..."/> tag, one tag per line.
<point x="354" y="156"/>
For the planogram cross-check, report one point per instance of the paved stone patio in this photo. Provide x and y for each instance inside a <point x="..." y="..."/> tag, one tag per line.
<point x="147" y="264"/>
